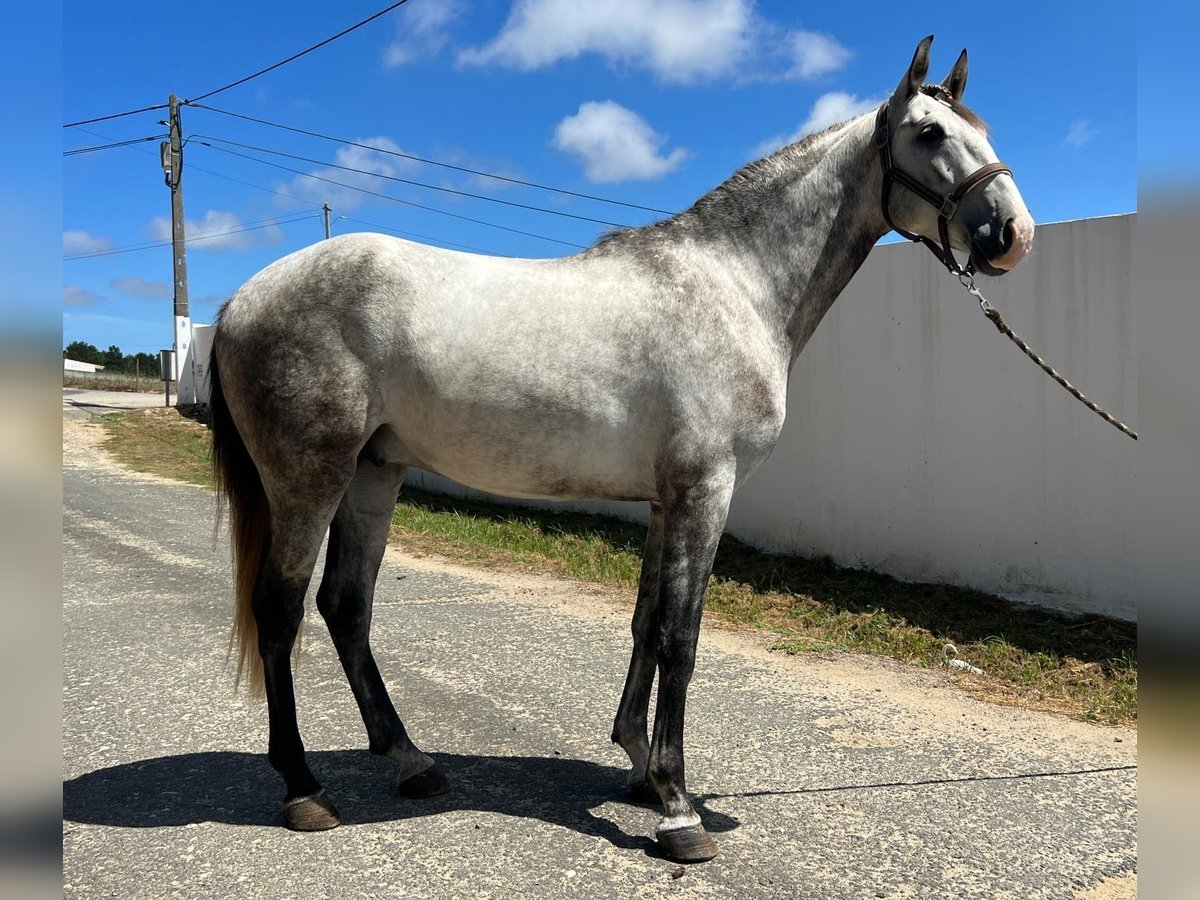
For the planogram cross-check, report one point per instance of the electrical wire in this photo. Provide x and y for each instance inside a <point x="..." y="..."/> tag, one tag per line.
<point x="192" y="167"/>
<point x="128" y="112"/>
<point x="409" y="181"/>
<point x="141" y="140"/>
<point x="201" y="236"/>
<point x="295" y="56"/>
<point x="433" y="209"/>
<point x="430" y="162"/>
<point x="252" y="75"/>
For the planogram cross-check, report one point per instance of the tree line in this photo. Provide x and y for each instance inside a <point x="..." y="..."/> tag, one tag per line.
<point x="113" y="359"/>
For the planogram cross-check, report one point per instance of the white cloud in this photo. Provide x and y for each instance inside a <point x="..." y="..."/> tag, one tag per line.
<point x="346" y="198"/>
<point x="140" y="287"/>
<point x="84" y="242"/>
<point x="421" y="32"/>
<point x="1080" y="133"/>
<point x="615" y="144"/>
<point x="681" y="41"/>
<point x="831" y="108"/>
<point x="814" y="55"/>
<point x="217" y="231"/>
<point x="74" y="295"/>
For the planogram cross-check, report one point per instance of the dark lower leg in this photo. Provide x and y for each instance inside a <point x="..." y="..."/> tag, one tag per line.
<point x="386" y="735"/>
<point x="629" y="727"/>
<point x="278" y="611"/>
<point x="695" y="517"/>
<point x="357" y="538"/>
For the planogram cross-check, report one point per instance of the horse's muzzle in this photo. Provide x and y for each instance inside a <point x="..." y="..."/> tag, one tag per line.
<point x="999" y="252"/>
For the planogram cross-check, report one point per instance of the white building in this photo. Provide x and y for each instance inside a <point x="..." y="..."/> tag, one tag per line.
<point x="74" y="365"/>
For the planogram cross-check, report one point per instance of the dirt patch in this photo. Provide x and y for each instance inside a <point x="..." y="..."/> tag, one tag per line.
<point x="83" y="448"/>
<point x="1123" y="887"/>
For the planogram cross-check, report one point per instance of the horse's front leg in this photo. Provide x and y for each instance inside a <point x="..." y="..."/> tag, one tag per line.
<point x="694" y="519"/>
<point x="629" y="728"/>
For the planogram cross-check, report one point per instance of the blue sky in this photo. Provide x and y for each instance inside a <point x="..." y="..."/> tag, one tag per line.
<point x="652" y="102"/>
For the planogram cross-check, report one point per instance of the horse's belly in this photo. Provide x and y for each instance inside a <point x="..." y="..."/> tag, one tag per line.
<point x="547" y="459"/>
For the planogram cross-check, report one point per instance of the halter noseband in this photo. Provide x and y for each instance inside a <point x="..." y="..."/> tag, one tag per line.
<point x="946" y="205"/>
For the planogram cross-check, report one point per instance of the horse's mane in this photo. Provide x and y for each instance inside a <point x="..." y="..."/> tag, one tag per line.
<point x="734" y="192"/>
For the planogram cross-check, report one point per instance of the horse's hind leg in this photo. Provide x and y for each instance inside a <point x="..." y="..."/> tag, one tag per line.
<point x="278" y="602"/>
<point x="357" y="539"/>
<point x="629" y="728"/>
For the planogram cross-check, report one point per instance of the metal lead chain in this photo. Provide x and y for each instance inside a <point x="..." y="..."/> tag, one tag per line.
<point x="968" y="281"/>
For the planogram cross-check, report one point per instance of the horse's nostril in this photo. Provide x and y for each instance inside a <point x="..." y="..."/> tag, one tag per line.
<point x="1008" y="236"/>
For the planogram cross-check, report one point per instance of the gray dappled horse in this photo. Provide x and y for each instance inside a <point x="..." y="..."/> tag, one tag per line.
<point x="652" y="366"/>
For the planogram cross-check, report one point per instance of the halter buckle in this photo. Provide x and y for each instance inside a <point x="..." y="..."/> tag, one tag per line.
<point x="949" y="208"/>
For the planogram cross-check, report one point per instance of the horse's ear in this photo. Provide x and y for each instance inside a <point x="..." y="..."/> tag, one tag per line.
<point x="956" y="82"/>
<point x="917" y="70"/>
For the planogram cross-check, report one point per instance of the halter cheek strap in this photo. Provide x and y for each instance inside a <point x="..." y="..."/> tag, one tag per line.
<point x="947" y="205"/>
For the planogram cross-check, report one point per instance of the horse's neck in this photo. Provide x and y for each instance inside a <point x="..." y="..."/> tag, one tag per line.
<point x="815" y="219"/>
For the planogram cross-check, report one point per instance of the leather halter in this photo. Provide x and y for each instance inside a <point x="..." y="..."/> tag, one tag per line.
<point x="947" y="205"/>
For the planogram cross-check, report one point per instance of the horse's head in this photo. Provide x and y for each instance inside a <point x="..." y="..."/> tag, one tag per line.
<point x="942" y="146"/>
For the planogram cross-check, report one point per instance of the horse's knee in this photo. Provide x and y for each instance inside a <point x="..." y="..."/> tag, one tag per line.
<point x="676" y="655"/>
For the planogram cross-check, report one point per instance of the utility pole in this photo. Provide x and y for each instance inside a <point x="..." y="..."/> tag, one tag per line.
<point x="325" y="207"/>
<point x="172" y="163"/>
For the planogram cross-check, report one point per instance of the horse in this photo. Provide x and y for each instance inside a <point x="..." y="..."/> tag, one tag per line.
<point x="652" y="366"/>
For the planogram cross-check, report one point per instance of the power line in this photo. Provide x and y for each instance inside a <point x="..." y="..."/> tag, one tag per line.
<point x="295" y="56"/>
<point x="264" y="223"/>
<point x="433" y="209"/>
<point x="128" y="112"/>
<point x="430" y="162"/>
<point x="421" y="184"/>
<point x="232" y="84"/>
<point x="192" y="167"/>
<point x="141" y="140"/>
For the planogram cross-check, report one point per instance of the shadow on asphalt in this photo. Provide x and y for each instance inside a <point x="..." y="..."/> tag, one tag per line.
<point x="86" y="405"/>
<point x="241" y="789"/>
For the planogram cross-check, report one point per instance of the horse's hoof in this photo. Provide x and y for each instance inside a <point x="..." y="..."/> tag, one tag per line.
<point x="690" y="844"/>
<point x="642" y="792"/>
<point x="429" y="783"/>
<point x="315" y="813"/>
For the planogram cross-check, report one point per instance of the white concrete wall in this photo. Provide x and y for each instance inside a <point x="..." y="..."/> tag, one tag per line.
<point x="920" y="442"/>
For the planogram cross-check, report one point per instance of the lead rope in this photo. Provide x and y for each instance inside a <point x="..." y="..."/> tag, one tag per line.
<point x="967" y="280"/>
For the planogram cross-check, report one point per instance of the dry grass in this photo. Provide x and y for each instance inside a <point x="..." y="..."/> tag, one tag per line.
<point x="144" y="384"/>
<point x="161" y="442"/>
<point x="1083" y="667"/>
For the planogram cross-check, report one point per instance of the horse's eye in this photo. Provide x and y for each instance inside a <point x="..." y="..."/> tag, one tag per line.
<point x="932" y="132"/>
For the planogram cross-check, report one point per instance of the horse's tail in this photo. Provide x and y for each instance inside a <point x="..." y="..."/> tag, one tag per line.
<point x="239" y="483"/>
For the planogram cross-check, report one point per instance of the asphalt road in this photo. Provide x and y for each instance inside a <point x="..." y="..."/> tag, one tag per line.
<point x="839" y="777"/>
